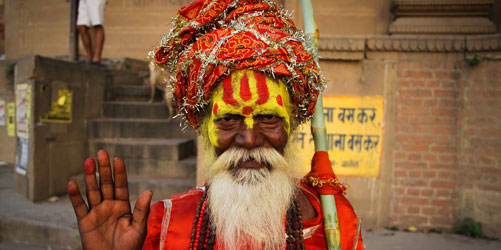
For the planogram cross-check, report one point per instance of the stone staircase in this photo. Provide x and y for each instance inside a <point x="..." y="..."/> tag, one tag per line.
<point x="158" y="154"/>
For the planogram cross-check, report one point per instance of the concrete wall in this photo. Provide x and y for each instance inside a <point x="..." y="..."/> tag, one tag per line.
<point x="8" y="143"/>
<point x="57" y="150"/>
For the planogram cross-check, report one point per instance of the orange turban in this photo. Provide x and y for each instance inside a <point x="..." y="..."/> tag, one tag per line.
<point x="210" y="38"/>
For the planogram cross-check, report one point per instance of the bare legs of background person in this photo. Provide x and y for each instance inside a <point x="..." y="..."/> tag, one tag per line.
<point x="84" y="34"/>
<point x="99" y="43"/>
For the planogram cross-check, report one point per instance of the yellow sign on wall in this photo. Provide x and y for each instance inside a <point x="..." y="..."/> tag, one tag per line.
<point x="60" y="110"/>
<point x="354" y="135"/>
<point x="23" y="109"/>
<point x="11" y="119"/>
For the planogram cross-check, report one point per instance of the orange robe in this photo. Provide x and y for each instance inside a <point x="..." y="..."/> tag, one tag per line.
<point x="170" y="223"/>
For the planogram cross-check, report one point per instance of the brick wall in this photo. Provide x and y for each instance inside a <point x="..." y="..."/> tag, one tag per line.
<point x="425" y="169"/>
<point x="479" y="155"/>
<point x="447" y="156"/>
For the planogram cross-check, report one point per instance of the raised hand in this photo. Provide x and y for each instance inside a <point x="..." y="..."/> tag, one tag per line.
<point x="107" y="221"/>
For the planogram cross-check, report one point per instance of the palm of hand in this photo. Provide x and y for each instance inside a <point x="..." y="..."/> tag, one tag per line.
<point x="109" y="223"/>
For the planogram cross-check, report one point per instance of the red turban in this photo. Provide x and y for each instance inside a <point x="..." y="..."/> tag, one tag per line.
<point x="210" y="38"/>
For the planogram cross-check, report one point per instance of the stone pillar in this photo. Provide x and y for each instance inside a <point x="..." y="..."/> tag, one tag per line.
<point x="442" y="17"/>
<point x="53" y="101"/>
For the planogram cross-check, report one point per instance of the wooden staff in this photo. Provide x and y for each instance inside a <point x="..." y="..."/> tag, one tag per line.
<point x="319" y="131"/>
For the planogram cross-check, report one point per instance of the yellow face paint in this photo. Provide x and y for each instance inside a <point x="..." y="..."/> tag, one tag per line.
<point x="248" y="93"/>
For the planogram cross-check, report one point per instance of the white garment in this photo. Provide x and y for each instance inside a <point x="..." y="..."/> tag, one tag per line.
<point x="91" y="12"/>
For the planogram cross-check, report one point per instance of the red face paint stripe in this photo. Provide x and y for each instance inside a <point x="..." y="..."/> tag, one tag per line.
<point x="214" y="109"/>
<point x="247" y="110"/>
<point x="279" y="100"/>
<point x="262" y="88"/>
<point x="245" y="92"/>
<point x="228" y="92"/>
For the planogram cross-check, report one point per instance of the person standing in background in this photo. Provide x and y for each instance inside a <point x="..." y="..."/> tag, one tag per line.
<point x="91" y="13"/>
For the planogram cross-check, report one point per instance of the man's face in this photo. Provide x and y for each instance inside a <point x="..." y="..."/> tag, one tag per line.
<point x="249" y="110"/>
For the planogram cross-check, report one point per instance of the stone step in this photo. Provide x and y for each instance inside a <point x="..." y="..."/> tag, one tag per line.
<point x="162" y="188"/>
<point x="145" y="148"/>
<point x="137" y="128"/>
<point x="123" y="77"/>
<point x="134" y="93"/>
<point x="18" y="233"/>
<point x="161" y="168"/>
<point x="123" y="109"/>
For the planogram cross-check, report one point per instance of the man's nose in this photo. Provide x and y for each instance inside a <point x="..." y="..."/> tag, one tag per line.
<point x="248" y="138"/>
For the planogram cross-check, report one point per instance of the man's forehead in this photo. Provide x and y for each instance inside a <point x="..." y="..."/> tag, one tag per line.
<point x="247" y="91"/>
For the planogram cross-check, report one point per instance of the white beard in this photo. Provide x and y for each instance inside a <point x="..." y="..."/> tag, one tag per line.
<point x="248" y="205"/>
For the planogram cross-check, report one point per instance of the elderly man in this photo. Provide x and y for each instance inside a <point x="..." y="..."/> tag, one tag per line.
<point x="243" y="78"/>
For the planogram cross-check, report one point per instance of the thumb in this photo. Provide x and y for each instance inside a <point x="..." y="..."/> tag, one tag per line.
<point x="142" y="209"/>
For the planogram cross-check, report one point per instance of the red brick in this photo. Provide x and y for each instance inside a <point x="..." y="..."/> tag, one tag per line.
<point x="487" y="187"/>
<point x="490" y="132"/>
<point x="415" y="148"/>
<point x="400" y="173"/>
<point x="446" y="203"/>
<point x="418" y="74"/>
<point x="413" y="210"/>
<point x="443" y="184"/>
<point x="443" y="111"/>
<point x="491" y="170"/>
<point x="413" y="182"/>
<point x="429" y="174"/>
<point x="415" y="173"/>
<point x="398" y="191"/>
<point x="404" y="83"/>
<point x="398" y="209"/>
<point x="403" y="65"/>
<point x="413" y="191"/>
<point x="414" y="110"/>
<point x="427" y="192"/>
<point x="447" y="75"/>
<point x="417" y="83"/>
<point x="442" y="149"/>
<point x="409" y="165"/>
<point x="430" y="102"/>
<point x="447" y="103"/>
<point x="432" y="65"/>
<point x="414" y="157"/>
<point x="414" y="219"/>
<point x="432" y="83"/>
<point x="446" y="158"/>
<point x="430" y="158"/>
<point x="444" y="175"/>
<point x="440" y="220"/>
<point x="448" y="84"/>
<point x="449" y="66"/>
<point x="443" y="166"/>
<point x="428" y="210"/>
<point x="444" y="193"/>
<point x="400" y="155"/>
<point x="444" y="93"/>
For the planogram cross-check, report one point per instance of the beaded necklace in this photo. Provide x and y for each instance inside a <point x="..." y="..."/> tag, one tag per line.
<point x="203" y="236"/>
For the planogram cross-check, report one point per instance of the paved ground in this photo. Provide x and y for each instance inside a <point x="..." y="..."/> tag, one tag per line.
<point x="53" y="223"/>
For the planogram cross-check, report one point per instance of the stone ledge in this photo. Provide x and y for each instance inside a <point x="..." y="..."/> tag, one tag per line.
<point x="441" y="2"/>
<point x="356" y="47"/>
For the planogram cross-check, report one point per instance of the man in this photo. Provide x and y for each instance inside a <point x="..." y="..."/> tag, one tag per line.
<point x="243" y="78"/>
<point x="91" y="13"/>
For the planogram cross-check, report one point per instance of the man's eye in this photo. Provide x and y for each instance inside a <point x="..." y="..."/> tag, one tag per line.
<point x="268" y="117"/>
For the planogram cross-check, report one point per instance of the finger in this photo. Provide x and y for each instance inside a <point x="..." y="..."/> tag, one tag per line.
<point x="77" y="202"/>
<point x="105" y="181"/>
<point x="142" y="209"/>
<point x="120" y="176"/>
<point x="93" y="194"/>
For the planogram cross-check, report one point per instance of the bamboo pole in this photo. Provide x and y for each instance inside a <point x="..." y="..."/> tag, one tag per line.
<point x="331" y="222"/>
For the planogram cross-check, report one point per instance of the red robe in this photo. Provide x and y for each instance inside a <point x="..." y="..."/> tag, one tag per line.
<point x="175" y="217"/>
